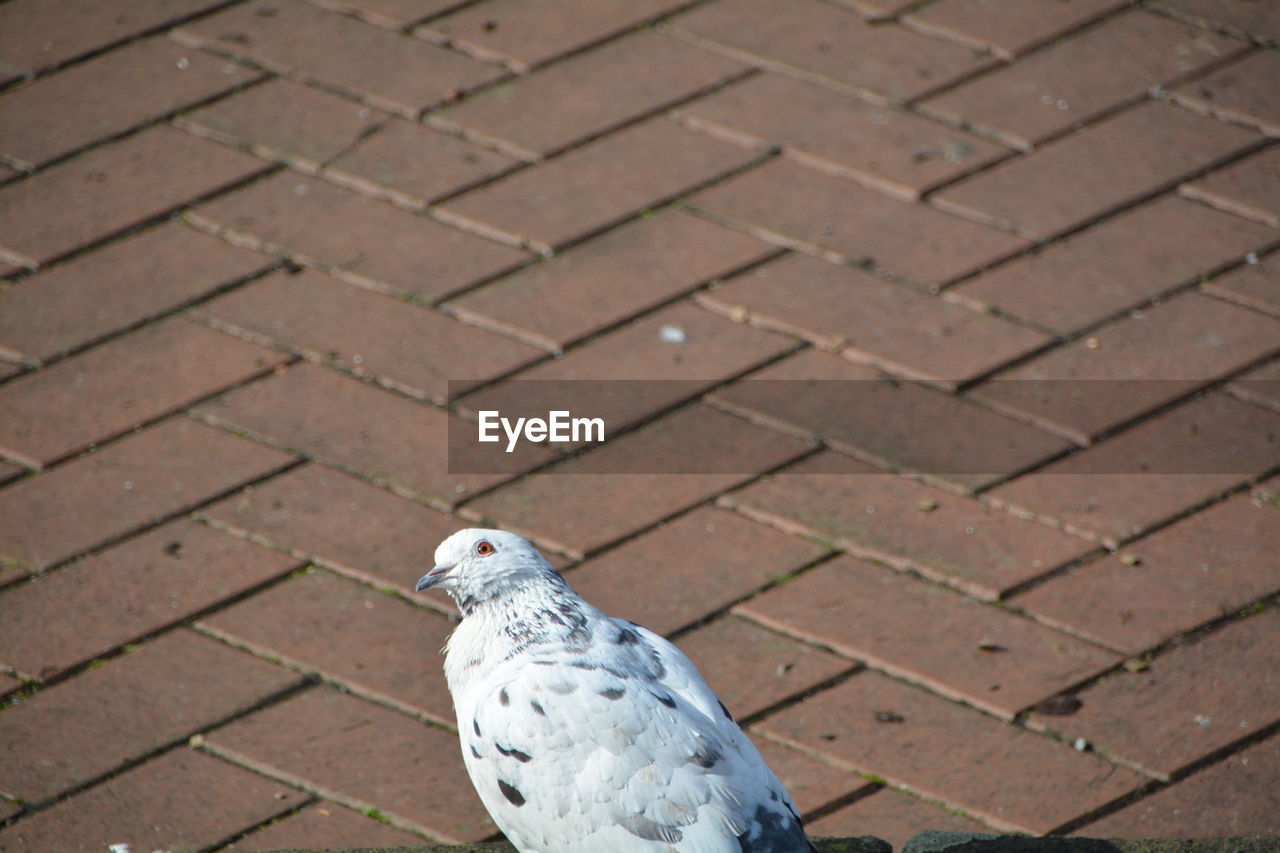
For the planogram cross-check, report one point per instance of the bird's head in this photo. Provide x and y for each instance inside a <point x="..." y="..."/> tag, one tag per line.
<point x="477" y="564"/>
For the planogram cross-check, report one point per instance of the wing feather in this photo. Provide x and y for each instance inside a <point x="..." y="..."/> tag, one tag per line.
<point x="619" y="747"/>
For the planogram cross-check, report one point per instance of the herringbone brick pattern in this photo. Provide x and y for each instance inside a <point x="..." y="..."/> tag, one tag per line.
<point x="956" y="469"/>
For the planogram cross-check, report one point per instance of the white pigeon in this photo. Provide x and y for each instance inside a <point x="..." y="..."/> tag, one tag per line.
<point x="587" y="734"/>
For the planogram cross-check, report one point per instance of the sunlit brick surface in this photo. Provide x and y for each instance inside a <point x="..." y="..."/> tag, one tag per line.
<point x="937" y="340"/>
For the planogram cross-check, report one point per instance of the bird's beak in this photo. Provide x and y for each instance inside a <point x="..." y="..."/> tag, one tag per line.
<point x="432" y="578"/>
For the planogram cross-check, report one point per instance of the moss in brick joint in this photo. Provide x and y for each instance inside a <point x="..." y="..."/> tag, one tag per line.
<point x="377" y="815"/>
<point x="11" y="563"/>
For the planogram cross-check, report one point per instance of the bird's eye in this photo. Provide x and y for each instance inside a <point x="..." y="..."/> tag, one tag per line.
<point x="484" y="549"/>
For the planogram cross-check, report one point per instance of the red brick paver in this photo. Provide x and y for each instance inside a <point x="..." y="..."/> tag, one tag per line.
<point x="295" y="622"/>
<point x="393" y="14"/>
<point x="867" y="414"/>
<point x="39" y="34"/>
<point x="1249" y="188"/>
<point x="123" y="593"/>
<point x="110" y="492"/>
<point x="524" y="36"/>
<point x="95" y="295"/>
<point x="1015" y="27"/>
<point x="796" y="206"/>
<point x="1076" y="79"/>
<point x="646" y="262"/>
<point x="169" y="689"/>
<point x="589" y="94"/>
<point x="872" y="724"/>
<point x="667" y="370"/>
<point x="774" y="668"/>
<point x="1132" y="365"/>
<point x="1244" y="785"/>
<point x="414" y="166"/>
<point x="1189" y="573"/>
<point x="339" y="521"/>
<point x="359" y="428"/>
<point x="398" y="74"/>
<point x="888" y="149"/>
<point x="946" y="537"/>
<point x="116" y="187"/>
<point x="411" y="348"/>
<point x="181" y="798"/>
<point x="362" y="239"/>
<point x="403" y="758"/>
<point x="183" y="361"/>
<point x="1260" y="385"/>
<point x="1243" y="18"/>
<point x="876" y="322"/>
<point x="936" y="340"/>
<point x="283" y="120"/>
<point x="893" y="816"/>
<point x="326" y="824"/>
<point x="1115" y="266"/>
<point x="994" y="661"/>
<point x="1186" y="703"/>
<point x="1256" y="284"/>
<point x="1077" y="178"/>
<point x="1152" y="473"/>
<point x="811" y="783"/>
<point x="831" y="45"/>
<point x="748" y="557"/>
<point x="109" y="95"/>
<point x="1241" y="92"/>
<point x="596" y="186"/>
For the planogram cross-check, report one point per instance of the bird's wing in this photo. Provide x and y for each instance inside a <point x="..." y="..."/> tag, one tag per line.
<point x="619" y="746"/>
<point x="683" y="678"/>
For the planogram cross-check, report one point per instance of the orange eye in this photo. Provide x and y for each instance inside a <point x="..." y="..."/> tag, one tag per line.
<point x="484" y="549"/>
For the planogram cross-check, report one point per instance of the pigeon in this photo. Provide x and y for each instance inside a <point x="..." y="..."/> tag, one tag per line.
<point x="588" y="734"/>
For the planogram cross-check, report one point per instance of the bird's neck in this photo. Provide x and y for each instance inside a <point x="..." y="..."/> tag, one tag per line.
<point x="510" y="589"/>
<point x="498" y="627"/>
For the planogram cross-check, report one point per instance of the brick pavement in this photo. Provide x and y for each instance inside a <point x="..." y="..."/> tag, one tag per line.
<point x="954" y="465"/>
